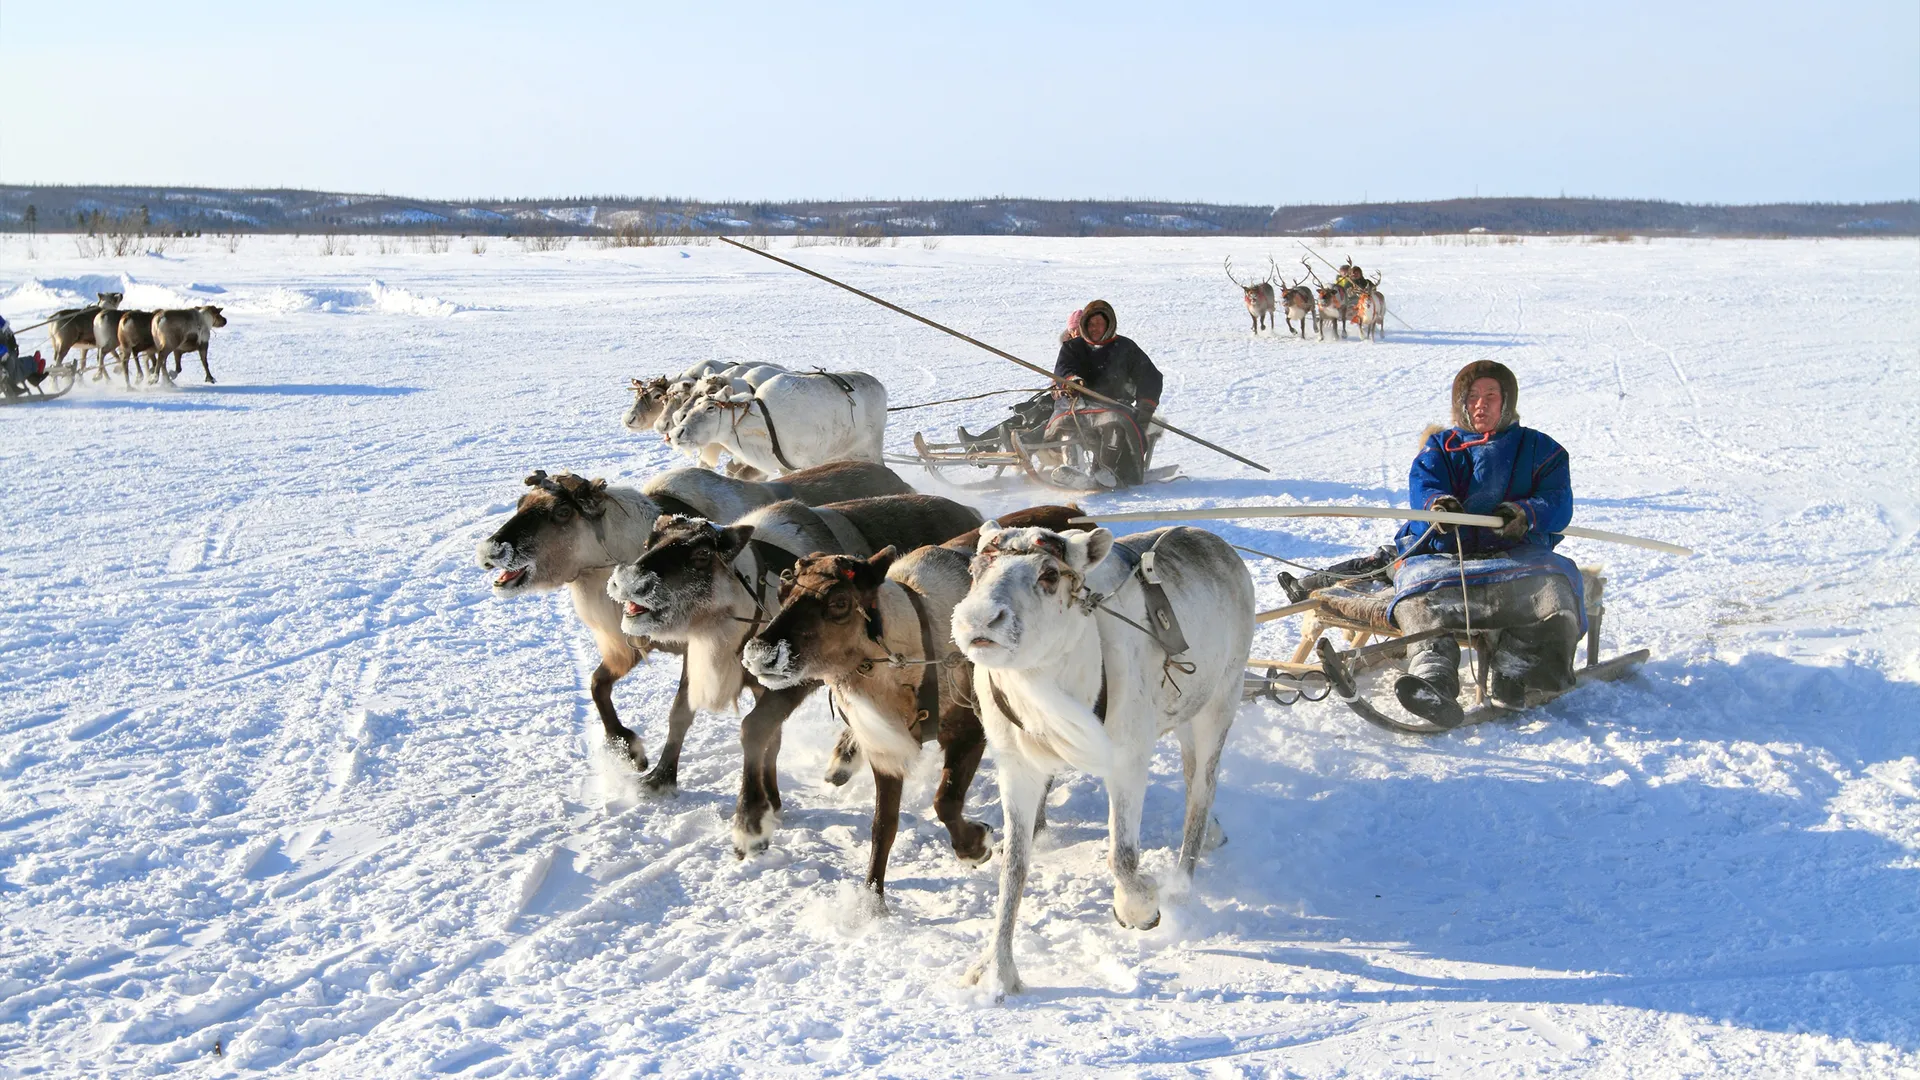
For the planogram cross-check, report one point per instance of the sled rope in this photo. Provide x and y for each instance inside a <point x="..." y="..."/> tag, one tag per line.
<point x="969" y="397"/>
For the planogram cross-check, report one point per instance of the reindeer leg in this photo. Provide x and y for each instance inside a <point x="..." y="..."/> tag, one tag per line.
<point x="203" y="363"/>
<point x="610" y="671"/>
<point x="886" y="825"/>
<point x="963" y="740"/>
<point x="1021" y="789"/>
<point x="665" y="777"/>
<point x="758" y="811"/>
<point x="1135" y="903"/>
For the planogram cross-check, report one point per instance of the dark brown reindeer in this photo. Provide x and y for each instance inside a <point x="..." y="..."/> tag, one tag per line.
<point x="569" y="532"/>
<point x="876" y="632"/>
<point x="1333" y="309"/>
<point x="708" y="589"/>
<point x="1296" y="302"/>
<point x="1258" y="297"/>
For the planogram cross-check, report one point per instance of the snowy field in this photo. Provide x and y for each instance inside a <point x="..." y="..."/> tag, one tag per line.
<point x="278" y="776"/>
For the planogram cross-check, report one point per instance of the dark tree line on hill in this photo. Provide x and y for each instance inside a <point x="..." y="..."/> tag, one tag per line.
<point x="76" y="209"/>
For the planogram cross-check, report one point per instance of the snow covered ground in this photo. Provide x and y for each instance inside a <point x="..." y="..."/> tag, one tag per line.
<point x="279" y="779"/>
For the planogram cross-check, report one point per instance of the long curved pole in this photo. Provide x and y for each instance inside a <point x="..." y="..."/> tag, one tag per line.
<point x="1001" y="353"/>
<point x="1220" y="513"/>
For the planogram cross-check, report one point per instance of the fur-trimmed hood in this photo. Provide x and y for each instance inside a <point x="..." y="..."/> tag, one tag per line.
<point x="1509" y="392"/>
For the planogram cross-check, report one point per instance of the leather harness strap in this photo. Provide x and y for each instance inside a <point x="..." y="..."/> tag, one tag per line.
<point x="773" y="434"/>
<point x="926" y="721"/>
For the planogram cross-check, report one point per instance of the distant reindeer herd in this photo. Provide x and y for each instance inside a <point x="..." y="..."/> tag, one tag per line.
<point x="131" y="337"/>
<point x="1351" y="298"/>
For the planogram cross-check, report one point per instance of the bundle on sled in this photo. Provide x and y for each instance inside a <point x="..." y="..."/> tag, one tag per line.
<point x="1058" y="438"/>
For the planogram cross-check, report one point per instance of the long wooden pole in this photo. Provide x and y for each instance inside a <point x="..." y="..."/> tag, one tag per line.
<point x="1001" y="353"/>
<point x="1223" y="513"/>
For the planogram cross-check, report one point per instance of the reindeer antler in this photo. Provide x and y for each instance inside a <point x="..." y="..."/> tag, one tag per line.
<point x="1233" y="279"/>
<point x="1273" y="272"/>
<point x="541" y="480"/>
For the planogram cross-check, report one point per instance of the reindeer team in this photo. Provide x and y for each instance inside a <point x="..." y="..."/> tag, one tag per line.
<point x="1350" y="298"/>
<point x="106" y="329"/>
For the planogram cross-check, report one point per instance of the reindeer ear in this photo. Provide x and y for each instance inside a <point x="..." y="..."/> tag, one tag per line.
<point x="1087" y="550"/>
<point x="988" y="530"/>
<point x="733" y="539"/>
<point x="874" y="570"/>
<point x="538" y="478"/>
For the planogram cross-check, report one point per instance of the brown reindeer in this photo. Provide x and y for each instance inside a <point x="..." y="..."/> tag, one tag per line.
<point x="135" y="333"/>
<point x="177" y="331"/>
<point x="72" y="328"/>
<point x="1258" y="297"/>
<point x="709" y="589"/>
<point x="845" y="760"/>
<point x="569" y="532"/>
<point x="1332" y="310"/>
<point x="876" y="632"/>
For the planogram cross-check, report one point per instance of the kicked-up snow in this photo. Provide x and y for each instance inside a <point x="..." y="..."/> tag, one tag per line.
<point x="284" y="790"/>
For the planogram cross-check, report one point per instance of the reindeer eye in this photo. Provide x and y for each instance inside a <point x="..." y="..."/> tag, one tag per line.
<point x="703" y="557"/>
<point x="1049" y="579"/>
<point x="561" y="511"/>
<point x="838" y="606"/>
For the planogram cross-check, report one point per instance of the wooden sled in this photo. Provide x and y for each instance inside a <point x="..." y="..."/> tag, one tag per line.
<point x="1362" y="617"/>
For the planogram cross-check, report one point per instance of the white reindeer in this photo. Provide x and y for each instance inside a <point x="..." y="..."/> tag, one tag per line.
<point x="792" y="421"/>
<point x="1043" y="627"/>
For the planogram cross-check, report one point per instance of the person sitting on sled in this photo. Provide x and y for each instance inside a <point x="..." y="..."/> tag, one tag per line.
<point x="1486" y="463"/>
<point x="1113" y="366"/>
<point x="16" y="371"/>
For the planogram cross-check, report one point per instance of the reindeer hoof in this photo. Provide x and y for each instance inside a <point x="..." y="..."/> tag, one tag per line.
<point x="658" y="785"/>
<point x="980" y="852"/>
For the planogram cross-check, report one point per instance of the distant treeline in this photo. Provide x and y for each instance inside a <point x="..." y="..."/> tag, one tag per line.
<point x="178" y="211"/>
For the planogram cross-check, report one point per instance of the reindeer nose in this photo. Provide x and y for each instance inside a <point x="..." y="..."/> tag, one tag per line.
<point x="1001" y="617"/>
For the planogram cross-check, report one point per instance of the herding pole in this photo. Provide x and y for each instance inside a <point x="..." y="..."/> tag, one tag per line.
<point x="1001" y="353"/>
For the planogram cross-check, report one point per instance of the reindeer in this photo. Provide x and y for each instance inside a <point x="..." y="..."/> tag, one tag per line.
<point x="1296" y="302"/>
<point x="72" y="328"/>
<point x="706" y="588"/>
<point x="1067" y="675"/>
<point x="1370" y="310"/>
<point x="1334" y="302"/>
<point x="569" y="532"/>
<point x="1258" y="296"/>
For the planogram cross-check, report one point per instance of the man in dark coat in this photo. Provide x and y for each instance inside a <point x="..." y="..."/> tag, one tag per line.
<point x="1486" y="463"/>
<point x="1115" y="367"/>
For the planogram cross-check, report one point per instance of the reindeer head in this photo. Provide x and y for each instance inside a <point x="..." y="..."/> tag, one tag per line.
<point x="683" y="573"/>
<point x="828" y="623"/>
<point x="552" y="536"/>
<point x="1022" y="610"/>
<point x="649" y="404"/>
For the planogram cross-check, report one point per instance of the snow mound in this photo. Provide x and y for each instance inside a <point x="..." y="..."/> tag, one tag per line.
<point x="378" y="296"/>
<point x="64" y="292"/>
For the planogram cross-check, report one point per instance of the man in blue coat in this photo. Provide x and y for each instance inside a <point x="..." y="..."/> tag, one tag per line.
<point x="1487" y="463"/>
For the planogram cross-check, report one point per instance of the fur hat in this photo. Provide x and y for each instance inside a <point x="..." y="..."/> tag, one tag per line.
<point x="1105" y="310"/>
<point x="1509" y="392"/>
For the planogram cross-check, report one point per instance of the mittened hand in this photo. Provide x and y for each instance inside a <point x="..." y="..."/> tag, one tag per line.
<point x="1513" y="521"/>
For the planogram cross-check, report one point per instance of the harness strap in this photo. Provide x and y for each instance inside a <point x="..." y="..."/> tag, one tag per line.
<point x="773" y="434"/>
<point x="926" y="721"/>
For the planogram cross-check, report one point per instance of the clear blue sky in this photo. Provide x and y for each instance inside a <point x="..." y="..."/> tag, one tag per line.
<point x="1265" y="102"/>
